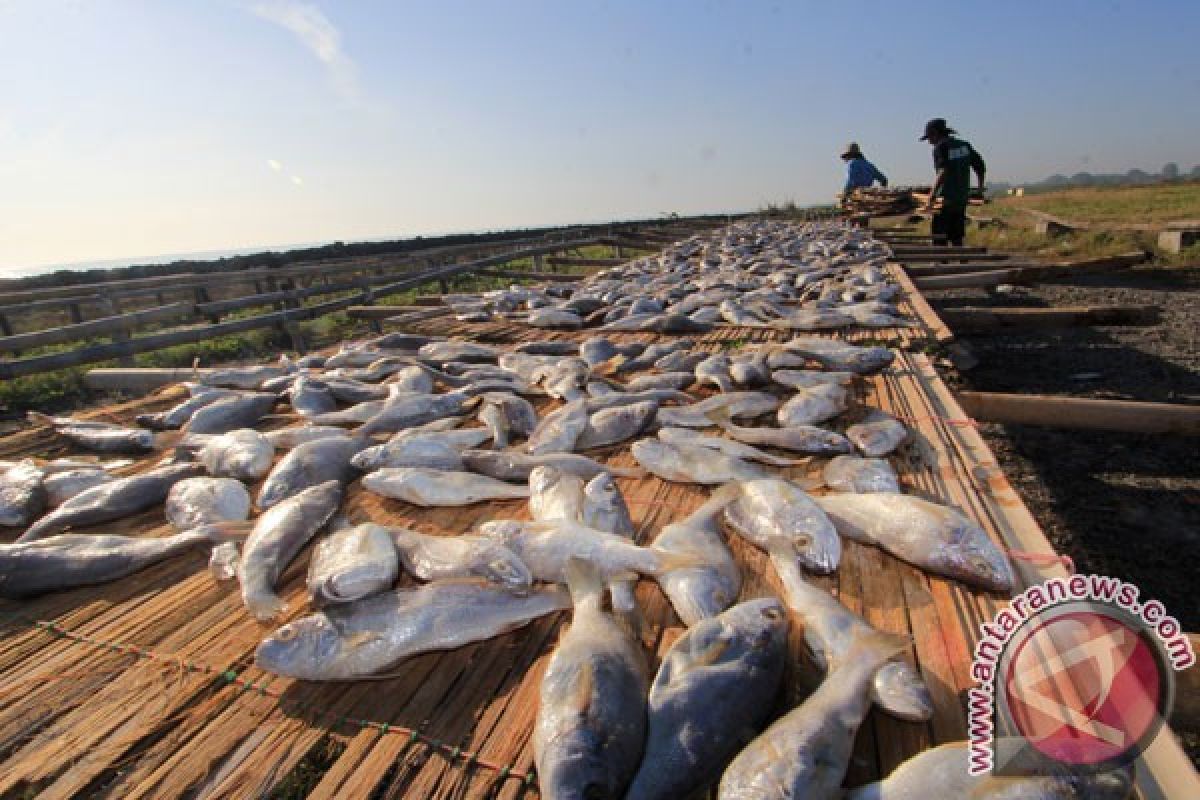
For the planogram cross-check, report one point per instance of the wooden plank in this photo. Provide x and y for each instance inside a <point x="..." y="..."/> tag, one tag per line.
<point x="105" y="326"/>
<point x="956" y="254"/>
<point x="972" y="319"/>
<point x="550" y="277"/>
<point x="558" y="261"/>
<point x="1081" y="412"/>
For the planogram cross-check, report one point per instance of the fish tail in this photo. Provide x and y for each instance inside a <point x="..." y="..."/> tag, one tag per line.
<point x="873" y="648"/>
<point x="669" y="561"/>
<point x="584" y="583"/>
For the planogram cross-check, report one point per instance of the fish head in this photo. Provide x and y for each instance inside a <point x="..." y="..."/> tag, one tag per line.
<point x="574" y="767"/>
<point x="501" y="566"/>
<point x="368" y="459"/>
<point x="970" y="556"/>
<point x="761" y="626"/>
<point x="602" y="493"/>
<point x="301" y="649"/>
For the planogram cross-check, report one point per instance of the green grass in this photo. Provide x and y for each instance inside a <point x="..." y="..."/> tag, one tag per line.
<point x="1108" y="206"/>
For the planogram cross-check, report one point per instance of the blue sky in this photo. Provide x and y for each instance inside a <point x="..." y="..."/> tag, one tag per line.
<point x="132" y="128"/>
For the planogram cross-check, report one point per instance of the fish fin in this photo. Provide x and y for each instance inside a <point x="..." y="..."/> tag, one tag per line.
<point x="584" y="583"/>
<point x="874" y="647"/>
<point x="580" y="700"/>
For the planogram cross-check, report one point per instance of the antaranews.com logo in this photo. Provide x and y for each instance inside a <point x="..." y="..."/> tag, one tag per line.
<point x="1076" y="671"/>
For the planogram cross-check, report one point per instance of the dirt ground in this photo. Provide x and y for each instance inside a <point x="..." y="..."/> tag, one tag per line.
<point x="1120" y="504"/>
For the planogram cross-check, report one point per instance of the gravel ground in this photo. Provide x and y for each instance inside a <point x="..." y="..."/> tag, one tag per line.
<point x="1119" y="504"/>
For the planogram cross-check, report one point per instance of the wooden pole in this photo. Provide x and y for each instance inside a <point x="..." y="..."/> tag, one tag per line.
<point x="1083" y="413"/>
<point x="968" y="319"/>
<point x="139" y="380"/>
<point x="1029" y="273"/>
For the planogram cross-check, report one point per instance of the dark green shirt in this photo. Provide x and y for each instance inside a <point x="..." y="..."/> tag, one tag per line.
<point x="957" y="158"/>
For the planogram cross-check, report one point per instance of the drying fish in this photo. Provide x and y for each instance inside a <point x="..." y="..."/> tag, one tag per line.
<point x="779" y="517"/>
<point x="69" y="560"/>
<point x="559" y="430"/>
<point x="591" y="720"/>
<point x="308" y="465"/>
<point x="402" y="341"/>
<point x="808" y="379"/>
<point x="805" y="753"/>
<point x="829" y="631"/>
<point x="658" y="323"/>
<point x="509" y="465"/>
<point x="351" y="564"/>
<point x="360" y="639"/>
<point x="415" y="379"/>
<point x="860" y="475"/>
<point x="680" y="361"/>
<point x="597" y="350"/>
<point x="648" y="356"/>
<point x="712" y="694"/>
<point x="814" y="405"/>
<point x="354" y="415"/>
<point x="750" y="370"/>
<point x="616" y="399"/>
<point x="663" y="380"/>
<point x="310" y="397"/>
<point x="443" y="558"/>
<point x="277" y="537"/>
<point x="832" y="355"/>
<point x="195" y="502"/>
<point x="798" y="438"/>
<point x="241" y="410"/>
<point x="430" y="487"/>
<point x="177" y="416"/>
<point x="243" y="454"/>
<point x="506" y="415"/>
<point x="604" y="509"/>
<point x="99" y="437"/>
<point x="555" y="495"/>
<point x="62" y="486"/>
<point x="735" y="405"/>
<point x="106" y="502"/>
<point x="729" y="447"/>
<point x="223" y="562"/>
<point x="614" y="425"/>
<point x="692" y="464"/>
<point x="416" y="451"/>
<point x="458" y="351"/>
<point x="877" y="435"/>
<point x="935" y="538"/>
<point x="555" y="318"/>
<point x="242" y="377"/>
<point x="714" y="370"/>
<point x="288" y="438"/>
<point x="348" y="390"/>
<point x="710" y="586"/>
<point x="545" y="547"/>
<point x="23" y="495"/>
<point x="409" y="411"/>
<point x="942" y="772"/>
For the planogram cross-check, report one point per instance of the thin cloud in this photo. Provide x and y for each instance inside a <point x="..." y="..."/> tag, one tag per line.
<point x="320" y="36"/>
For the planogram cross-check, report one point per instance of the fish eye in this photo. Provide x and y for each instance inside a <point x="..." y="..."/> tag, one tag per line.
<point x="286" y="633"/>
<point x="772" y="613"/>
<point x="721" y="596"/>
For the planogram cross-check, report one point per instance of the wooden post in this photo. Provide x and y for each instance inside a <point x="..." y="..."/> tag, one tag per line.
<point x="76" y="314"/>
<point x="5" y="327"/>
<point x="1081" y="412"/>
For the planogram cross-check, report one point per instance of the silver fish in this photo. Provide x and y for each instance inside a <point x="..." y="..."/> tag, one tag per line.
<point x="798" y="438"/>
<point x="713" y="583"/>
<point x="662" y="380"/>
<point x="412" y="410"/>
<point x="351" y="564"/>
<point x="591" y="720"/>
<point x="779" y="517"/>
<point x="832" y="355"/>
<point x="614" y="425"/>
<point x="416" y="451"/>
<point x="242" y="377"/>
<point x="559" y="430"/>
<point x="62" y="486"/>
<point x="604" y="509"/>
<point x="829" y="630"/>
<point x="428" y="487"/>
<point x="507" y="415"/>
<point x="241" y="410"/>
<point x="243" y="454"/>
<point x="310" y="397"/>
<point x="554" y="318"/>
<point x="458" y="351"/>
<point x="714" y="370"/>
<point x="861" y="475"/>
<point x="277" y="537"/>
<point x="23" y="495"/>
<point x="807" y="379"/>
<point x="727" y="446"/>
<point x="554" y="494"/>
<point x="354" y="415"/>
<point x="288" y="438"/>
<point x="805" y="753"/>
<point x="195" y="502"/>
<point x="878" y="434"/>
<point x="441" y="558"/>
<point x="69" y="560"/>
<point x="308" y="465"/>
<point x="109" y="501"/>
<point x="360" y="639"/>
<point x="941" y="772"/>
<point x="733" y="404"/>
<point x="509" y="465"/>
<point x="99" y="437"/>
<point x="814" y="405"/>
<point x="712" y="694"/>
<point x="692" y="464"/>
<point x="178" y="415"/>
<point x="597" y="350"/>
<point x="935" y="538"/>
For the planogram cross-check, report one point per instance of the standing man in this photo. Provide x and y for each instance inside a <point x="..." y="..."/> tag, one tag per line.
<point x="954" y="159"/>
<point x="860" y="173"/>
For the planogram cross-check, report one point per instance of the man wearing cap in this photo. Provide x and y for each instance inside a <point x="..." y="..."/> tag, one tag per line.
<point x="860" y="173"/>
<point x="954" y="159"/>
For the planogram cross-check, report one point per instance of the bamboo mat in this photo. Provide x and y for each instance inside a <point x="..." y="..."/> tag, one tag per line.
<point x="146" y="687"/>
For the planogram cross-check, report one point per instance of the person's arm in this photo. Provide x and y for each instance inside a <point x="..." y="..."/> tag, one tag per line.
<point x="879" y="176"/>
<point x="938" y="180"/>
<point x="978" y="166"/>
